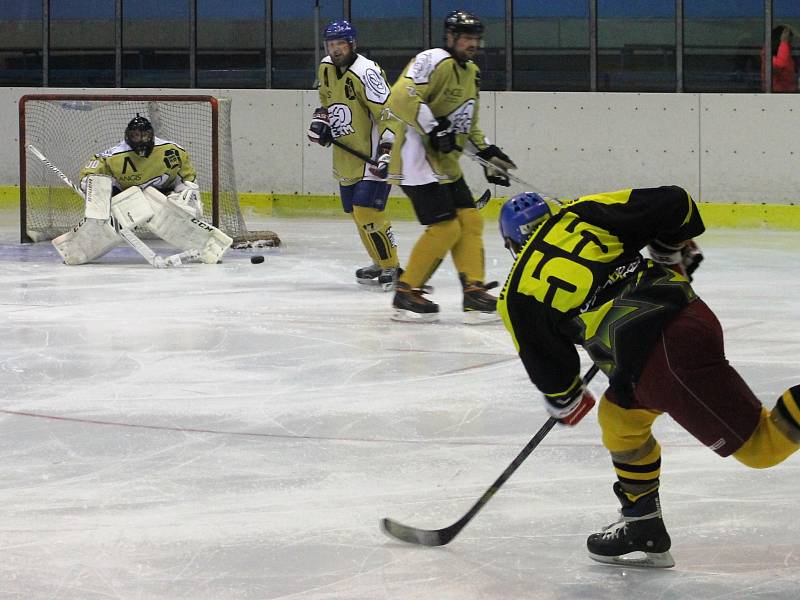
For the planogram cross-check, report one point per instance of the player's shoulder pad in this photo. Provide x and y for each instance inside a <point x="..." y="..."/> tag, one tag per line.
<point x="369" y="73"/>
<point x="157" y="141"/>
<point x="118" y="149"/>
<point x="425" y="64"/>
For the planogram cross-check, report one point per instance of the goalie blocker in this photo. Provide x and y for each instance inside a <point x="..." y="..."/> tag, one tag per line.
<point x="178" y="226"/>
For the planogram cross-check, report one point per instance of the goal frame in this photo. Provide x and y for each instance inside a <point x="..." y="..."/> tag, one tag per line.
<point x="23" y="157"/>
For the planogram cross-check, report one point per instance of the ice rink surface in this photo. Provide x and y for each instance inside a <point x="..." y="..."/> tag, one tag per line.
<point x="238" y="430"/>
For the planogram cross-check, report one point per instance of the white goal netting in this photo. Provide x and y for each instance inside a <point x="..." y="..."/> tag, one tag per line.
<point x="69" y="129"/>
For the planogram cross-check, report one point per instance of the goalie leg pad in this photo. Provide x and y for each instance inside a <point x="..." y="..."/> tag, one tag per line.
<point x="131" y="208"/>
<point x="98" y="190"/>
<point x="90" y="239"/>
<point x="173" y="225"/>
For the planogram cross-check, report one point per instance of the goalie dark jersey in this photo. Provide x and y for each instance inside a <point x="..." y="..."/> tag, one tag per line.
<point x="167" y="164"/>
<point x="581" y="279"/>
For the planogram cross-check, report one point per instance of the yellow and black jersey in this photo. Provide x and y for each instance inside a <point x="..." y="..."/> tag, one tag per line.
<point x="434" y="84"/>
<point x="355" y="99"/>
<point x="167" y="165"/>
<point x="581" y="279"/>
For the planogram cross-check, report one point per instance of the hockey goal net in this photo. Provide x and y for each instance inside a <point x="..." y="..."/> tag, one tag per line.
<point x="70" y="128"/>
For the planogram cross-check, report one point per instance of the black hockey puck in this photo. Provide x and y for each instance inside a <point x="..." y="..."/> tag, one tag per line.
<point x="256" y="259"/>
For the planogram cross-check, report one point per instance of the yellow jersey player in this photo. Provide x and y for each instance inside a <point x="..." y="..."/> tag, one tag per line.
<point x="143" y="180"/>
<point x="353" y="92"/>
<point x="144" y="160"/>
<point x="580" y="278"/>
<point x="437" y="97"/>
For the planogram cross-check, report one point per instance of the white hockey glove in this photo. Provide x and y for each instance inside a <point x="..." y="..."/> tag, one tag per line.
<point x="683" y="258"/>
<point x="186" y="194"/>
<point x="319" y="131"/>
<point x="382" y="169"/>
<point x="571" y="406"/>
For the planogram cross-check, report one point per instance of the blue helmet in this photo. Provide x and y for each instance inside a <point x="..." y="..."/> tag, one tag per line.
<point x="340" y="30"/>
<point x="520" y="215"/>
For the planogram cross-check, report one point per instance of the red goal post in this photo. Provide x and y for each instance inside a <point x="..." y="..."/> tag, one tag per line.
<point x="70" y="128"/>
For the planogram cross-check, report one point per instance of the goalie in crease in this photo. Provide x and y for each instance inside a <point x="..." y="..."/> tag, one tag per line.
<point x="143" y="180"/>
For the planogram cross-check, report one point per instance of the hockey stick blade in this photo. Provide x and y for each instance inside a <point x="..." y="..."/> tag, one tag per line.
<point x="484" y="199"/>
<point x="442" y="537"/>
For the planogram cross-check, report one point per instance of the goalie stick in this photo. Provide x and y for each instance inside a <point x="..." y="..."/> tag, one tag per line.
<point x="130" y="238"/>
<point x="441" y="537"/>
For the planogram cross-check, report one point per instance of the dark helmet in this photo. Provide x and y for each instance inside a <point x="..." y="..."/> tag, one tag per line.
<point x="520" y="216"/>
<point x="142" y="142"/>
<point x="461" y="21"/>
<point x="340" y="30"/>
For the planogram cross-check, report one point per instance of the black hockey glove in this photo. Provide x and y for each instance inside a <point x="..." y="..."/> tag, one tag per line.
<point x="683" y="258"/>
<point x="381" y="170"/>
<point x="442" y="138"/>
<point x="494" y="155"/>
<point x="319" y="131"/>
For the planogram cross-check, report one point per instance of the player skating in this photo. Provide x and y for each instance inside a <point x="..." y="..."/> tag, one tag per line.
<point x="353" y="92"/>
<point x="125" y="186"/>
<point x="437" y="97"/>
<point x="579" y="279"/>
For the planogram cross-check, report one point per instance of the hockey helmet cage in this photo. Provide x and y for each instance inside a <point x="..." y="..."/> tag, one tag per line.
<point x="340" y="30"/>
<point x="520" y="216"/>
<point x="144" y="140"/>
<point x="462" y="21"/>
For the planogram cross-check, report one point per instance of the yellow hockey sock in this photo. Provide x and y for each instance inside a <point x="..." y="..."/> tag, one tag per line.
<point x="468" y="255"/>
<point x="376" y="234"/>
<point x="429" y="251"/>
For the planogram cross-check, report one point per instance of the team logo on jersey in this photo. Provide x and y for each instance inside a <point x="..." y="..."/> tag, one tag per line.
<point x="421" y="69"/>
<point x="172" y="159"/>
<point x="125" y="164"/>
<point x="375" y="86"/>
<point x="461" y="118"/>
<point x="341" y="119"/>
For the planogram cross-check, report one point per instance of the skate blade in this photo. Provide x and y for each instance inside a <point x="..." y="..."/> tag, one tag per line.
<point x="367" y="282"/>
<point x="476" y="317"/>
<point x="407" y="316"/>
<point x="653" y="560"/>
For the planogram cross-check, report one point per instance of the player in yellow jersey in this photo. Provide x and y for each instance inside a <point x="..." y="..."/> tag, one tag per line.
<point x="437" y="97"/>
<point x="143" y="180"/>
<point x="353" y="92"/>
<point x="580" y="279"/>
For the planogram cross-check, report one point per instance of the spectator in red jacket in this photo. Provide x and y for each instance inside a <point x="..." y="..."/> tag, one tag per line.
<point x="784" y="72"/>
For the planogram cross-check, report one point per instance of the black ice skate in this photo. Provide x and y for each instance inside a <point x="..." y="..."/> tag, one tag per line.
<point x="640" y="531"/>
<point x="411" y="307"/>
<point x="479" y="307"/>
<point x="368" y="275"/>
<point x="388" y="278"/>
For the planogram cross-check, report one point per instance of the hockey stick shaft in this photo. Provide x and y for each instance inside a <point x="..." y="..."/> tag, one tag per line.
<point x="388" y="113"/>
<point x="355" y="153"/>
<point x="440" y="537"/>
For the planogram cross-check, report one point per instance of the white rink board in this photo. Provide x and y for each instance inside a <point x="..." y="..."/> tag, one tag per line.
<point x="575" y="144"/>
<point x="750" y="148"/>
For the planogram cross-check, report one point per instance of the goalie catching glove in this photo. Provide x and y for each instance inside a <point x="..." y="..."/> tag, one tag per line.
<point x="319" y="131"/>
<point x="381" y="170"/>
<point x="571" y="406"/>
<point x="497" y="157"/>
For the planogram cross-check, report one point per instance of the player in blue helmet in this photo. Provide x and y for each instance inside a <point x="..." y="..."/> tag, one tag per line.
<point x="340" y="43"/>
<point x="519" y="217"/>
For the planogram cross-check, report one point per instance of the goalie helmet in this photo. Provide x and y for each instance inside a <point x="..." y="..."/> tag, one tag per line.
<point x="462" y="21"/>
<point x="139" y="135"/>
<point x="520" y="216"/>
<point x="340" y="30"/>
